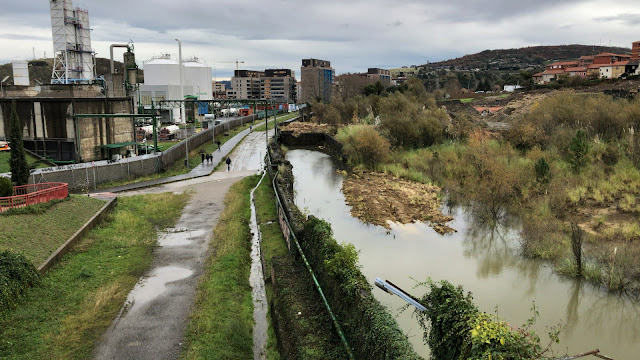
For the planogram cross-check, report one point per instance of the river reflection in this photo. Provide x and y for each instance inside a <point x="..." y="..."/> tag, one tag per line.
<point x="483" y="260"/>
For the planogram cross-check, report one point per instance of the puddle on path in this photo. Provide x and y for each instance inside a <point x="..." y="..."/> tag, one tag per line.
<point x="155" y="285"/>
<point x="256" y="279"/>
<point x="179" y="237"/>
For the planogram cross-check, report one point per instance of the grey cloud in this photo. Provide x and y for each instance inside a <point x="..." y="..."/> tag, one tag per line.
<point x="395" y="23"/>
<point x="23" y="37"/>
<point x="629" y="19"/>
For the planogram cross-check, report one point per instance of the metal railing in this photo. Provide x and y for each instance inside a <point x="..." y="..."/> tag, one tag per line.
<point x="290" y="237"/>
<point x="31" y="194"/>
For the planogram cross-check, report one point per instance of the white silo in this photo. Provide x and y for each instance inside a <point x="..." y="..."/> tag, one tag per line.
<point x="197" y="74"/>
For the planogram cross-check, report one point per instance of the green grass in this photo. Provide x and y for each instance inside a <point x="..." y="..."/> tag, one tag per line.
<point x="6" y="155"/>
<point x="36" y="236"/>
<point x="280" y="119"/>
<point x="78" y="298"/>
<point x="466" y="100"/>
<point x="221" y="324"/>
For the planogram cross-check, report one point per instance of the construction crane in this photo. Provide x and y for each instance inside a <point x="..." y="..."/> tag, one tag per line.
<point x="234" y="61"/>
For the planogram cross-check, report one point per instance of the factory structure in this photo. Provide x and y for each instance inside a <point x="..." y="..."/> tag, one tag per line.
<point x="46" y="111"/>
<point x="74" y="59"/>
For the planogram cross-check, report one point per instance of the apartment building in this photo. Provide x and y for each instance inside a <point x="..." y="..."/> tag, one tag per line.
<point x="272" y="84"/>
<point x="317" y="78"/>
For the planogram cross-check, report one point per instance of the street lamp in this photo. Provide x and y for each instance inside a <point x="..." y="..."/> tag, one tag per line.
<point x="2" y="82"/>
<point x="182" y="112"/>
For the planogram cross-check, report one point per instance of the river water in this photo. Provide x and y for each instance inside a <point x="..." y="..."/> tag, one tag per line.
<point x="482" y="261"/>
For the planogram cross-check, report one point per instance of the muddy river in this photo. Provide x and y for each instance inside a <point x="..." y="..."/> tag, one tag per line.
<point x="482" y="261"/>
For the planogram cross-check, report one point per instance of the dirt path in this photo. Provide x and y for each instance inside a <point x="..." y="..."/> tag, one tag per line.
<point x="153" y="319"/>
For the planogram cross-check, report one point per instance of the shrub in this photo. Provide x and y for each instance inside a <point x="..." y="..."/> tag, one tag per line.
<point x="17" y="274"/>
<point x="364" y="145"/>
<point x="6" y="187"/>
<point x="456" y="329"/>
<point x="578" y="150"/>
<point x="543" y="171"/>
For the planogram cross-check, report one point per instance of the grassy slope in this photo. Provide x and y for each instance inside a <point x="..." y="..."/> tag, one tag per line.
<point x="309" y="331"/>
<point x="221" y="325"/>
<point x="36" y="236"/>
<point x="77" y="300"/>
<point x="4" y="162"/>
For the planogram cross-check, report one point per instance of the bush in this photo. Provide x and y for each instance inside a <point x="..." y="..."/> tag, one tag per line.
<point x="364" y="145"/>
<point x="456" y="329"/>
<point x="17" y="274"/>
<point x="6" y="187"/>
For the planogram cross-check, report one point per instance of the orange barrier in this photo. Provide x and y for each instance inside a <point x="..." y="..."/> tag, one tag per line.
<point x="34" y="194"/>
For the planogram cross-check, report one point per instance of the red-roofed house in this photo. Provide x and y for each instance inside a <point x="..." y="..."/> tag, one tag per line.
<point x="593" y="70"/>
<point x="561" y="65"/>
<point x="609" y="58"/>
<point x="580" y="71"/>
<point x="585" y="61"/>
<point x="618" y="69"/>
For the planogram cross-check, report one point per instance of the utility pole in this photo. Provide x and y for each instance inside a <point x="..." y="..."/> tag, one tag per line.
<point x="182" y="110"/>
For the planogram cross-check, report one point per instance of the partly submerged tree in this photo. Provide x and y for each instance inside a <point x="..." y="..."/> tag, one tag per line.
<point x="18" y="160"/>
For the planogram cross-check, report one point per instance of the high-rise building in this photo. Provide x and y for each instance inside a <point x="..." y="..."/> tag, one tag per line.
<point x="317" y="80"/>
<point x="635" y="50"/>
<point x="278" y="85"/>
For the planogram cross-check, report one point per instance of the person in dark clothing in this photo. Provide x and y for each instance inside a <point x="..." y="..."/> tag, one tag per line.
<point x="202" y="158"/>
<point x="218" y="142"/>
<point x="228" y="163"/>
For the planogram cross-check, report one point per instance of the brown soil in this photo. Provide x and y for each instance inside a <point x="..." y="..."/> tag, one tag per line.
<point x="298" y="128"/>
<point x="378" y="198"/>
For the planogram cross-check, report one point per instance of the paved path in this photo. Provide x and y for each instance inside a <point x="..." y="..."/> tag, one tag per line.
<point x="152" y="321"/>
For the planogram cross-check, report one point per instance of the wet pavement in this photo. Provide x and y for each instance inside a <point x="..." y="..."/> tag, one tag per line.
<point x="152" y="321"/>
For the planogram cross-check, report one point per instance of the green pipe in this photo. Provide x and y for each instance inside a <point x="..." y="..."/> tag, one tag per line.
<point x="306" y="263"/>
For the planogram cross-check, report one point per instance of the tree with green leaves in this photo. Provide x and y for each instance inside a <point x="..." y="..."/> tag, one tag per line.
<point x="18" y="159"/>
<point x="579" y="151"/>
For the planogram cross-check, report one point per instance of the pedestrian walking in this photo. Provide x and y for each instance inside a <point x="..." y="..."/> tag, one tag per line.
<point x="218" y="142"/>
<point x="208" y="158"/>
<point x="228" y="163"/>
<point x="202" y="158"/>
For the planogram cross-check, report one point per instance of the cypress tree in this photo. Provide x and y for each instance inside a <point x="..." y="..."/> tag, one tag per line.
<point x="18" y="160"/>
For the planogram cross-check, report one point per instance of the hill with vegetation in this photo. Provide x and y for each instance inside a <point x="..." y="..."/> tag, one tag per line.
<point x="492" y="69"/>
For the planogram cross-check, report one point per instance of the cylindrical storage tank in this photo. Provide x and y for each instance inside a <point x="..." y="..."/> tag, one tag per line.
<point x="161" y="71"/>
<point x="131" y="68"/>
<point x="198" y="75"/>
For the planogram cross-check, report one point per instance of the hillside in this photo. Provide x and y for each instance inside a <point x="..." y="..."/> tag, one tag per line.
<point x="40" y="70"/>
<point x="522" y="58"/>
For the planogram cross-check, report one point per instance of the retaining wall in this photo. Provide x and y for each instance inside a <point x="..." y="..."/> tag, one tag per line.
<point x="369" y="328"/>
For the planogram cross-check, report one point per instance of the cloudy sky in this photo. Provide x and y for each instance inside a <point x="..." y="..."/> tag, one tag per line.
<point x="353" y="35"/>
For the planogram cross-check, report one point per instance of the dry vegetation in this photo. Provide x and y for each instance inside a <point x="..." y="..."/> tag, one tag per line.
<point x="568" y="158"/>
<point x="379" y="199"/>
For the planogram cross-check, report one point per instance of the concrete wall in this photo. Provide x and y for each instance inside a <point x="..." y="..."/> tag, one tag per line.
<point x="49" y="128"/>
<point x="87" y="176"/>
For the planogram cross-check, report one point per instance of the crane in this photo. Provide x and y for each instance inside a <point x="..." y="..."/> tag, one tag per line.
<point x="234" y="61"/>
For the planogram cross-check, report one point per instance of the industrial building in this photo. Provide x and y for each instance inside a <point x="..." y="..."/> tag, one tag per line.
<point x="317" y="80"/>
<point x="74" y="59"/>
<point x="162" y="82"/>
<point x="47" y="112"/>
<point x="278" y="85"/>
